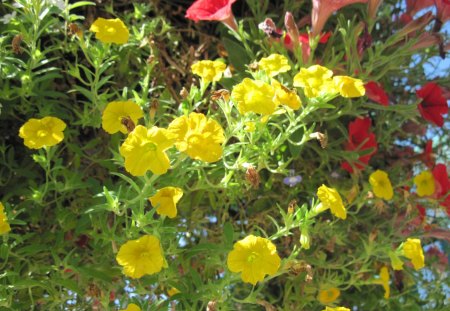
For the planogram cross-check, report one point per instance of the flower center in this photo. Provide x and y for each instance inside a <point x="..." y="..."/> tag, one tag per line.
<point x="145" y="256"/>
<point x="42" y="133"/>
<point x="149" y="146"/>
<point x="251" y="258"/>
<point x="111" y="30"/>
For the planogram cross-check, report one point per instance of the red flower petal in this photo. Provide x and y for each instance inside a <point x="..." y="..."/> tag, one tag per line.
<point x="376" y="93"/>
<point x="442" y="182"/>
<point x="433" y="105"/>
<point x="210" y="10"/>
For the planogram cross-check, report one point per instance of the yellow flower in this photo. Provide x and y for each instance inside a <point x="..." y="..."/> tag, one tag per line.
<point x="38" y="133"/>
<point x="165" y="200"/>
<point x="250" y="127"/>
<point x="4" y="225"/>
<point x="115" y="113"/>
<point x="274" y="64"/>
<point x="285" y="96"/>
<point x="381" y="185"/>
<point x="256" y="96"/>
<point x="331" y="199"/>
<point x="425" y="183"/>
<point x="140" y="257"/>
<point x="254" y="257"/>
<point x="349" y="87"/>
<point x="173" y="291"/>
<point x="384" y="281"/>
<point x="197" y="136"/>
<point x="396" y="262"/>
<point x="208" y="70"/>
<point x="315" y="80"/>
<point x="412" y="249"/>
<point x="336" y="309"/>
<point x="329" y="295"/>
<point x="132" y="307"/>
<point x="144" y="150"/>
<point x="110" y="30"/>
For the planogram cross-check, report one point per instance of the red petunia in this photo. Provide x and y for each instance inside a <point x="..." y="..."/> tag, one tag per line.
<point x="442" y="186"/>
<point x="210" y="10"/>
<point x="360" y="139"/>
<point x="427" y="156"/>
<point x="433" y="105"/>
<point x="376" y="93"/>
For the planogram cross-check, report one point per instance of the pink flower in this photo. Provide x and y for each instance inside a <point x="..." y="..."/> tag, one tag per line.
<point x="322" y="10"/>
<point x="212" y="10"/>
<point x="376" y="93"/>
<point x="433" y="105"/>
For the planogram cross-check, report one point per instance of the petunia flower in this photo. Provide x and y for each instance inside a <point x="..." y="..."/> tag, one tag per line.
<point x="425" y="183"/>
<point x="132" y="307"/>
<point x="117" y="112"/>
<point x="442" y="185"/>
<point x="141" y="257"/>
<point x="254" y="257"/>
<point x="254" y="96"/>
<point x="45" y="132"/>
<point x="330" y="199"/>
<point x="110" y="30"/>
<point x="199" y="137"/>
<point x="360" y="138"/>
<point x="144" y="148"/>
<point x="433" y="105"/>
<point x="323" y="9"/>
<point x="165" y="201"/>
<point x="274" y="64"/>
<point x="349" y="87"/>
<point x="213" y="10"/>
<point x="384" y="281"/>
<point x="412" y="249"/>
<point x="381" y="185"/>
<point x="315" y="80"/>
<point x="376" y="93"/>
<point x="286" y="96"/>
<point x="329" y="295"/>
<point x="208" y="70"/>
<point x="4" y="225"/>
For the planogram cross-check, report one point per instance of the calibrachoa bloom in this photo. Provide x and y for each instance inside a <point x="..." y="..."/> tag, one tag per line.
<point x="4" y="225"/>
<point x="286" y="96"/>
<point x="132" y="307"/>
<point x="425" y="183"/>
<point x="381" y="185"/>
<point x="255" y="96"/>
<point x="349" y="87"/>
<point x="442" y="185"/>
<point x="117" y="112"/>
<point x="330" y="198"/>
<point x="336" y="309"/>
<point x="165" y="200"/>
<point x="384" y="281"/>
<point x="315" y="80"/>
<point x="360" y="138"/>
<point x="172" y="291"/>
<point x="433" y="105"/>
<point x="144" y="148"/>
<point x="328" y="295"/>
<point x="45" y="132"/>
<point x="212" y="10"/>
<point x="208" y="70"/>
<point x="197" y="136"/>
<point x="140" y="257"/>
<point x="110" y="30"/>
<point x="274" y="64"/>
<point x="412" y="249"/>
<point x="254" y="257"/>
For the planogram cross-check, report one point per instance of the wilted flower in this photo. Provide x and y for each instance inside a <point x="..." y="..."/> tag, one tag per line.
<point x="140" y="257"/>
<point x="38" y="133"/>
<point x="255" y="96"/>
<point x="212" y="10"/>
<point x="274" y="64"/>
<point x="208" y="70"/>
<point x="381" y="185"/>
<point x="197" y="136"/>
<point x="433" y="105"/>
<point x="315" y="80"/>
<point x="165" y="201"/>
<point x="132" y="307"/>
<point x="4" y="225"/>
<point x="116" y="112"/>
<point x="254" y="257"/>
<point x="144" y="148"/>
<point x="412" y="249"/>
<point x="330" y="199"/>
<point x="376" y="93"/>
<point x="425" y="183"/>
<point x="349" y="87"/>
<point x="110" y="30"/>
<point x="329" y="295"/>
<point x="252" y="176"/>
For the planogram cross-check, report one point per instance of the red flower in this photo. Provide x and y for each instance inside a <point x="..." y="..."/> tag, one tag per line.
<point x="442" y="185"/>
<point x="427" y="156"/>
<point x="376" y="93"/>
<point x="433" y="105"/>
<point x="360" y="138"/>
<point x="422" y="212"/>
<point x="210" y="10"/>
